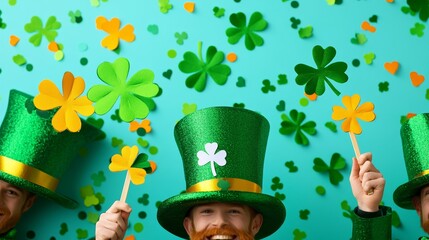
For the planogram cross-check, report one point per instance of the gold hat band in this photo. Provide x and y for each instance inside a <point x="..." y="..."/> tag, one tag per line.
<point x="29" y="173"/>
<point x="425" y="172"/>
<point x="235" y="184"/>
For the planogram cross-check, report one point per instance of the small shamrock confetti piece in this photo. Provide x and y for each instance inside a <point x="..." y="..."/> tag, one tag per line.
<point x="115" y="116"/>
<point x="181" y="37"/>
<point x="267" y="86"/>
<point x="280" y="196"/>
<point x="112" y="27"/>
<point x="314" y="79"/>
<point x="81" y="233"/>
<point x="135" y="94"/>
<point x="320" y="190"/>
<point x="98" y="178"/>
<point x="164" y="6"/>
<point x="331" y="126"/>
<point x="282" y="79"/>
<point x="116" y="142"/>
<point x="141" y="128"/>
<point x="383" y="86"/>
<point x="294" y="124"/>
<point x="281" y="106"/>
<point x="277" y="185"/>
<point x="241" y="82"/>
<point x="64" y="229"/>
<point x="306" y="32"/>
<point x="153" y="28"/>
<point x="369" y="58"/>
<point x="36" y="26"/>
<point x="359" y="39"/>
<point x="224" y="185"/>
<point x="219" y="12"/>
<point x="239" y="105"/>
<point x="337" y="163"/>
<point x="303" y="214"/>
<point x="167" y="74"/>
<point x="144" y="199"/>
<point x="19" y="60"/>
<point x="76" y="16"/>
<point x="295" y="22"/>
<point x="256" y="24"/>
<point x="70" y="103"/>
<point x="201" y="69"/>
<point x="299" y="235"/>
<point x="347" y="212"/>
<point x="291" y="166"/>
<point x="189" y="108"/>
<point x="418" y="30"/>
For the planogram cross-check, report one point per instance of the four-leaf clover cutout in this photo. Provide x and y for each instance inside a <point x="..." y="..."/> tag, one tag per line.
<point x="135" y="94"/>
<point x="314" y="78"/>
<point x="213" y="67"/>
<point x="257" y="23"/>
<point x="337" y="163"/>
<point x="36" y="26"/>
<point x="294" y="124"/>
<point x="421" y="7"/>
<point x="210" y="156"/>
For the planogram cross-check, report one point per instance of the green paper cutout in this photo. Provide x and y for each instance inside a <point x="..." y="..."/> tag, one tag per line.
<point x="219" y="12"/>
<point x="320" y="190"/>
<point x="239" y="105"/>
<point x="304" y="102"/>
<point x="93" y="217"/>
<point x="117" y="142"/>
<point x="306" y="32"/>
<point x="373" y="19"/>
<point x="281" y="106"/>
<point x="314" y="79"/>
<point x="142" y="214"/>
<point x="86" y="191"/>
<point x="347" y="212"/>
<point x="142" y="142"/>
<point x="36" y="26"/>
<point x="355" y="62"/>
<point x="369" y="58"/>
<point x="153" y="150"/>
<point x="144" y="199"/>
<point x="291" y="166"/>
<point x="135" y="95"/>
<point x="383" y="86"/>
<point x="331" y="126"/>
<point x="12" y="2"/>
<point x="164" y="6"/>
<point x="267" y="86"/>
<point x="256" y="24"/>
<point x="303" y="214"/>
<point x="421" y="7"/>
<point x="282" y="79"/>
<point x="138" y="227"/>
<point x="142" y="161"/>
<point x="214" y="68"/>
<point x="294" y="124"/>
<point x="98" y="178"/>
<point x="277" y="185"/>
<point x="407" y="10"/>
<point x="76" y="16"/>
<point x="396" y="221"/>
<point x="337" y="163"/>
<point x="153" y="28"/>
<point x="189" y="108"/>
<point x="167" y="74"/>
<point x="115" y="116"/>
<point x="224" y="185"/>
<point x="64" y="229"/>
<point x="241" y="82"/>
<point x="81" y="233"/>
<point x="280" y="196"/>
<point x="418" y="30"/>
<point x="91" y="201"/>
<point x="19" y="60"/>
<point x="298" y="234"/>
<point x="100" y="198"/>
<point x="295" y="22"/>
<point x="359" y="39"/>
<point x="181" y="37"/>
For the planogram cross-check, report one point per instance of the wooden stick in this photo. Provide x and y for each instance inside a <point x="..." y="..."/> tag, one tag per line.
<point x="355" y="144"/>
<point x="125" y="188"/>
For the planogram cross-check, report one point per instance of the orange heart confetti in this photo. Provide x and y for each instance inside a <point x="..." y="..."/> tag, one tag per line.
<point x="416" y="79"/>
<point x="367" y="26"/>
<point x="53" y="47"/>
<point x="13" y="40"/>
<point x="189" y="6"/>
<point x="391" y="67"/>
<point x="231" y="57"/>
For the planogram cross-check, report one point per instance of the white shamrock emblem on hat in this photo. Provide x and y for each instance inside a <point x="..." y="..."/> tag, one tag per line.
<point x="210" y="156"/>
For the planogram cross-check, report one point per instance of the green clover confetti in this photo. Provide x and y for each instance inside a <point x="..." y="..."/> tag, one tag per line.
<point x="256" y="24"/>
<point x="36" y="26"/>
<point x="239" y="105"/>
<point x="331" y="126"/>
<point x="219" y="12"/>
<point x="383" y="86"/>
<point x="337" y="163"/>
<point x="276" y="184"/>
<point x="224" y="185"/>
<point x="396" y="221"/>
<point x="64" y="229"/>
<point x="314" y="79"/>
<point x="135" y="95"/>
<point x="189" y="108"/>
<point x="359" y="39"/>
<point x="306" y="32"/>
<point x="76" y="16"/>
<point x="295" y="22"/>
<point x="281" y="106"/>
<point x="181" y="37"/>
<point x="280" y="196"/>
<point x="93" y="217"/>
<point x="19" y="60"/>
<point x="303" y="214"/>
<point x="241" y="82"/>
<point x="347" y="212"/>
<point x="164" y="6"/>
<point x="373" y="18"/>
<point x="298" y="234"/>
<point x="320" y="190"/>
<point x="142" y="142"/>
<point x="267" y="86"/>
<point x="81" y="233"/>
<point x="144" y="199"/>
<point x="115" y="116"/>
<point x="421" y="7"/>
<point x="282" y="79"/>
<point x="369" y="58"/>
<point x="167" y="74"/>
<point x="201" y="70"/>
<point x="418" y="30"/>
<point x="98" y="178"/>
<point x="407" y="10"/>
<point x="117" y="142"/>
<point x="2" y="24"/>
<point x="294" y="124"/>
<point x="153" y="28"/>
<point x="291" y="166"/>
<point x="138" y="227"/>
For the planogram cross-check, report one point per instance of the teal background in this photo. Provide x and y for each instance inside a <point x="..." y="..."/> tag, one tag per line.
<point x="333" y="25"/>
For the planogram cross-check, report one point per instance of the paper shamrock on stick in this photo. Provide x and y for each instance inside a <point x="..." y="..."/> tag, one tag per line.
<point x="350" y="114"/>
<point x="136" y="165"/>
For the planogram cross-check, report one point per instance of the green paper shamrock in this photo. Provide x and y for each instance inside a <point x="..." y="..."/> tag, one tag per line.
<point x="276" y="184"/>
<point x="267" y="86"/>
<point x="294" y="124"/>
<point x="282" y="79"/>
<point x="135" y="95"/>
<point x="306" y="32"/>
<point x="396" y="221"/>
<point x="2" y="24"/>
<point x="239" y="105"/>
<point x="291" y="166"/>
<point x="189" y="108"/>
<point x="280" y="196"/>
<point x="115" y="117"/>
<point x="19" y="60"/>
<point x="223" y="184"/>
<point x="164" y="6"/>
<point x="418" y="30"/>
<point x="181" y="37"/>
<point x="117" y="142"/>
<point x="36" y="26"/>
<point x="383" y="86"/>
<point x="98" y="178"/>
<point x="219" y="12"/>
<point x="331" y="126"/>
<point x="281" y="106"/>
<point x="81" y="233"/>
<point x="314" y="79"/>
<point x="359" y="39"/>
<point x="295" y="22"/>
<point x="407" y="10"/>
<point x="64" y="228"/>
<point x="337" y="163"/>
<point x="421" y="7"/>
<point x="303" y="214"/>
<point x="348" y="213"/>
<point x="144" y="199"/>
<point x="256" y="24"/>
<point x="298" y="234"/>
<point x="76" y="16"/>
<point x="241" y="82"/>
<point x="201" y="70"/>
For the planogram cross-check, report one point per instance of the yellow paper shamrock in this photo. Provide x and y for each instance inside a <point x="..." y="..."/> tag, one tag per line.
<point x="112" y="27"/>
<point x="125" y="161"/>
<point x="70" y="103"/>
<point x="352" y="112"/>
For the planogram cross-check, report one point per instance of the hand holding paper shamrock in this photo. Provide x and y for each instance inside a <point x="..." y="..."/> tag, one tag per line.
<point x="137" y="166"/>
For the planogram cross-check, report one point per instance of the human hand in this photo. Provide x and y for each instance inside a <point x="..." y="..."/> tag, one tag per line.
<point x="113" y="223"/>
<point x="367" y="183"/>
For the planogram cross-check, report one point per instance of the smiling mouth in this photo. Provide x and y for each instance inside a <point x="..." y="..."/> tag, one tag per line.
<point x="221" y="237"/>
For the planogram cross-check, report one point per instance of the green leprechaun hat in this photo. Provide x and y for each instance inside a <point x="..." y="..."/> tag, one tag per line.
<point x="33" y="156"/>
<point x="223" y="150"/>
<point x="415" y="135"/>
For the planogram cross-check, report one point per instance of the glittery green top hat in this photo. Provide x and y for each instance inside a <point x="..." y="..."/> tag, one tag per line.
<point x="33" y="156"/>
<point x="223" y="151"/>
<point x="415" y="145"/>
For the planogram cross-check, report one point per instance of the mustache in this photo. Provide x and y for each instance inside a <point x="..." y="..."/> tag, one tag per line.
<point x="225" y="230"/>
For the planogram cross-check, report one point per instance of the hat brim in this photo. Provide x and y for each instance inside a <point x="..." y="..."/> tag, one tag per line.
<point x="404" y="194"/>
<point x="172" y="211"/>
<point x="38" y="190"/>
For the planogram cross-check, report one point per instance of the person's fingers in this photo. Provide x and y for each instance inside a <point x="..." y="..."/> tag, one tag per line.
<point x="107" y="229"/>
<point x="364" y="157"/>
<point x="118" y="206"/>
<point x="116" y="219"/>
<point x="354" y="173"/>
<point x="367" y="167"/>
<point x="372" y="180"/>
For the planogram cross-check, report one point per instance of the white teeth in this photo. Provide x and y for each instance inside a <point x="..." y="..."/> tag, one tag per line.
<point x="221" y="237"/>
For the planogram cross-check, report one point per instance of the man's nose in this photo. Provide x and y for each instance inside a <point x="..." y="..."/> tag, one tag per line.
<point x="220" y="220"/>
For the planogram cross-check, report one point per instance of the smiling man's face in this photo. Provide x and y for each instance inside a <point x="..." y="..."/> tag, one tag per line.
<point x="222" y="221"/>
<point x="14" y="202"/>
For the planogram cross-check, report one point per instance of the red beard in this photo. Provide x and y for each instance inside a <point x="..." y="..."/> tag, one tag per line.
<point x="226" y="230"/>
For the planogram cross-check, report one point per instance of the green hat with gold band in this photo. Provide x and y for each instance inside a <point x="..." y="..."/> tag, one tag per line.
<point x="223" y="150"/>
<point x="415" y="146"/>
<point x="33" y="156"/>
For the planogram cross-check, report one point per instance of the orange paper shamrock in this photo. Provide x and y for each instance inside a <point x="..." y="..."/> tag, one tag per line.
<point x="112" y="27"/>
<point x="352" y="112"/>
<point x="70" y="103"/>
<point x="125" y="162"/>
